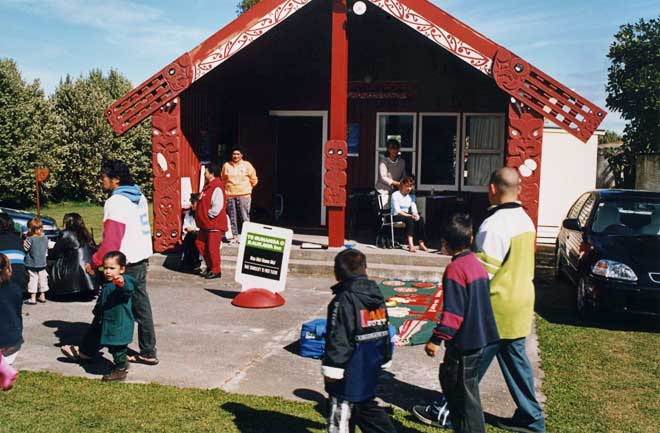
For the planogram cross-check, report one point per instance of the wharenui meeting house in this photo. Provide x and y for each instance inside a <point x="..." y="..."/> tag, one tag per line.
<point x="313" y="89"/>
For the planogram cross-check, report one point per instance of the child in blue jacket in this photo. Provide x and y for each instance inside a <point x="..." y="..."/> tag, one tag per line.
<point x="357" y="345"/>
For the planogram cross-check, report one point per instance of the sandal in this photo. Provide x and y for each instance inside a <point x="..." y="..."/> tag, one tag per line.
<point x="139" y="359"/>
<point x="72" y="353"/>
<point x="29" y="302"/>
<point x="41" y="301"/>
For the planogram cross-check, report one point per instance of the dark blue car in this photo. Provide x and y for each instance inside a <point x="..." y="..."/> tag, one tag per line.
<point x="609" y="247"/>
<point x="21" y="219"/>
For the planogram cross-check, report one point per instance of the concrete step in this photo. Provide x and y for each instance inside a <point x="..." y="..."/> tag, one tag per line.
<point x="325" y="268"/>
<point x="374" y="256"/>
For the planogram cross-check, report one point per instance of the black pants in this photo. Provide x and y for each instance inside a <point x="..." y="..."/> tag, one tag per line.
<point x="417" y="229"/>
<point x="91" y="344"/>
<point x="190" y="255"/>
<point x="459" y="378"/>
<point x="345" y="416"/>
<point x="142" y="309"/>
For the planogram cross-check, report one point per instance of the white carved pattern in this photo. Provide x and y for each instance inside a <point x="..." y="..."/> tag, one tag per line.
<point x="437" y="34"/>
<point x="241" y="40"/>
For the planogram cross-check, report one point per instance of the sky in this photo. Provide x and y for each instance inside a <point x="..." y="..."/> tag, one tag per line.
<point x="49" y="39"/>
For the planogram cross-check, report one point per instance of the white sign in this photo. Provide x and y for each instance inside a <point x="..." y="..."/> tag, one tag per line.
<point x="263" y="257"/>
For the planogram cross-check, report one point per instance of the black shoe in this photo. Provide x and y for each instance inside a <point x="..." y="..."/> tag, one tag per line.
<point x="116" y="375"/>
<point x="211" y="275"/>
<point x="204" y="273"/>
<point x="510" y="424"/>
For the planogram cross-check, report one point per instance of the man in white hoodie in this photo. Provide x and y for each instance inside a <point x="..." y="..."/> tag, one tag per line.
<point x="126" y="229"/>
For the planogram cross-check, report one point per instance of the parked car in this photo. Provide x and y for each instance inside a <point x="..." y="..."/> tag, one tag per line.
<point x="609" y="247"/>
<point x="21" y="219"/>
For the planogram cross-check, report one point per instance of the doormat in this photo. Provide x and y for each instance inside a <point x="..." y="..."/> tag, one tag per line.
<point x="414" y="308"/>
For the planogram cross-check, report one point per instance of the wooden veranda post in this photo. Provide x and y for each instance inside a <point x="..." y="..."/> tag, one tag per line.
<point x="338" y="108"/>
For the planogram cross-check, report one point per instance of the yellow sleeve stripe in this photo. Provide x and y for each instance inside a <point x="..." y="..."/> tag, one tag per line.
<point x="487" y="260"/>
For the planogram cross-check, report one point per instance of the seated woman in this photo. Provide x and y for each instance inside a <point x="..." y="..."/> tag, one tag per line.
<point x="72" y="250"/>
<point x="11" y="319"/>
<point x="404" y="209"/>
<point x="190" y="260"/>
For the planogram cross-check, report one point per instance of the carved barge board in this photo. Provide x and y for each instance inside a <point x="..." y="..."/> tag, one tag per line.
<point x="518" y="78"/>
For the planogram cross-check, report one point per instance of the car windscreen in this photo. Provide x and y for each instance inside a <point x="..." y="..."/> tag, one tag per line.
<point x="627" y="217"/>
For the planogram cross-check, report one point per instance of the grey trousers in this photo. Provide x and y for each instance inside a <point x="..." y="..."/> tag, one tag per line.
<point x="236" y="206"/>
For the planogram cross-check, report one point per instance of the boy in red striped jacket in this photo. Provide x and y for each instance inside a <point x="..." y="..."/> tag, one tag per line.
<point x="467" y="326"/>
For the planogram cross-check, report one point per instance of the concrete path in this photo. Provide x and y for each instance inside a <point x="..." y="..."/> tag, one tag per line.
<point x="205" y="342"/>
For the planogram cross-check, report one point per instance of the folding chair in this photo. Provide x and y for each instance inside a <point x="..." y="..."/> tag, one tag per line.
<point x="387" y="223"/>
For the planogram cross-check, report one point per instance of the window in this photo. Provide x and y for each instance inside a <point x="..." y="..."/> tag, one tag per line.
<point x="583" y="216"/>
<point x="575" y="210"/>
<point x="437" y="163"/>
<point x="483" y="149"/>
<point x="401" y="127"/>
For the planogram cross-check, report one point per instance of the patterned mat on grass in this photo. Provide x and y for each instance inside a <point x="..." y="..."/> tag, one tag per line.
<point x="414" y="307"/>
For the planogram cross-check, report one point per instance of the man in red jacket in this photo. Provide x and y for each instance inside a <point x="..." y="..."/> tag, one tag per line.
<point x="211" y="218"/>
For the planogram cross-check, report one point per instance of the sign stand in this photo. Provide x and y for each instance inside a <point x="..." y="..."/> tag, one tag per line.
<point x="262" y="265"/>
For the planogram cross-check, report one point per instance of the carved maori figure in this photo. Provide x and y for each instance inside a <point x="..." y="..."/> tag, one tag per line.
<point x="524" y="144"/>
<point x="166" y="144"/>
<point x="334" y="193"/>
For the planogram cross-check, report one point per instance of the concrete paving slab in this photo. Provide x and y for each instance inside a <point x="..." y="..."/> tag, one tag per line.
<point x="205" y="342"/>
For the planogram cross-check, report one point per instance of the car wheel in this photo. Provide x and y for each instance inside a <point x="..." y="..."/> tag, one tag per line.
<point x="585" y="309"/>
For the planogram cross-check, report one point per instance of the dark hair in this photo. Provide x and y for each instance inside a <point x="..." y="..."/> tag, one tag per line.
<point x="350" y="263"/>
<point x="457" y="231"/>
<point x="393" y="142"/>
<point x="121" y="258"/>
<point x="237" y="147"/>
<point x="194" y="197"/>
<point x="214" y="169"/>
<point x="74" y="222"/>
<point x="116" y="169"/>
<point x="5" y="269"/>
<point x="408" y="180"/>
<point x="6" y="224"/>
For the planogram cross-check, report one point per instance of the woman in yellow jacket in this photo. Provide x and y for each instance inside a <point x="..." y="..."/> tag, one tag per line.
<point x="239" y="177"/>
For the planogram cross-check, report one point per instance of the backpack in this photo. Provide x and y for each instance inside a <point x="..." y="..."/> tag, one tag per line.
<point x="312" y="338"/>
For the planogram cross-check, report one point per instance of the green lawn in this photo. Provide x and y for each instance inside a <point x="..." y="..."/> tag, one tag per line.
<point x="91" y="213"/>
<point x="50" y="403"/>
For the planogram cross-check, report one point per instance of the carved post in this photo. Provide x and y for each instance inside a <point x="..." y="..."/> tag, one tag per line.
<point x="524" y="144"/>
<point x="333" y="196"/>
<point x="166" y="147"/>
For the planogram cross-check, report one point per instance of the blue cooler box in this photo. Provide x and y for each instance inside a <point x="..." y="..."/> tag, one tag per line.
<point x="312" y="339"/>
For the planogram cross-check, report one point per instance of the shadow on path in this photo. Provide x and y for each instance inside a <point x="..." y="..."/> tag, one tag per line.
<point x="71" y="333"/>
<point x="251" y="420"/>
<point x="227" y="294"/>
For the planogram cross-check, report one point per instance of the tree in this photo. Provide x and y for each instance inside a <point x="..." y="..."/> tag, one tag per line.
<point x="244" y="5"/>
<point x="87" y="138"/>
<point x="27" y="128"/>
<point x="610" y="137"/>
<point x="634" y="90"/>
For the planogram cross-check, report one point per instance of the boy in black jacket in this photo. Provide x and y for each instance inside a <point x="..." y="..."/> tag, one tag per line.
<point x="357" y="345"/>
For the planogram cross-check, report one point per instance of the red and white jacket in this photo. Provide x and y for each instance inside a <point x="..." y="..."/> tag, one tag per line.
<point x="126" y="229"/>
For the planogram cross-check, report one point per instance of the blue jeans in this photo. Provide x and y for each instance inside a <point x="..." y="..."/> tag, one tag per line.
<point x="519" y="378"/>
<point x="236" y="205"/>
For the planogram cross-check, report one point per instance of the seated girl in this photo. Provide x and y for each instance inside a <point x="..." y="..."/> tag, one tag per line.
<point x="404" y="209"/>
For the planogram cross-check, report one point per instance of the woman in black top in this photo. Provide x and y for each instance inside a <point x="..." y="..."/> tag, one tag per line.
<point x="72" y="250"/>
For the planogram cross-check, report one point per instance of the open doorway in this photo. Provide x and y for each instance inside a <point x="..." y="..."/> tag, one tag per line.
<point x="298" y="167"/>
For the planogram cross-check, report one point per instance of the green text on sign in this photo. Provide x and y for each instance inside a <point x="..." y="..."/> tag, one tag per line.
<point x="264" y="242"/>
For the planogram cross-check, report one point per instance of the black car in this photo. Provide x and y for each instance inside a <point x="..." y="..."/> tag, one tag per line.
<point x="21" y="219"/>
<point x="609" y="247"/>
